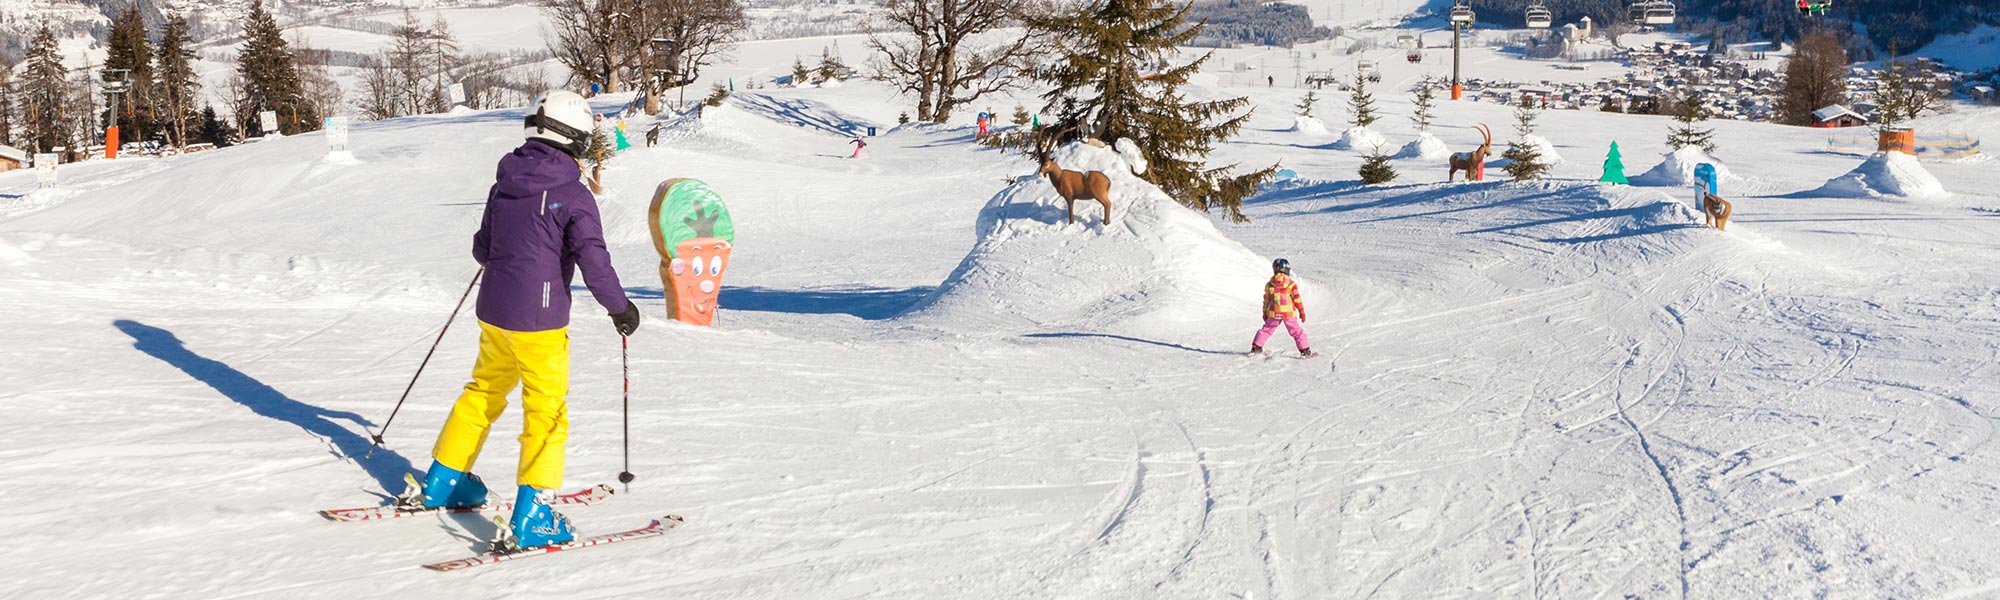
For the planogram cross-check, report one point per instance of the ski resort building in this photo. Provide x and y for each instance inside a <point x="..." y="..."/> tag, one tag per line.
<point x="1837" y="116"/>
<point x="12" y="158"/>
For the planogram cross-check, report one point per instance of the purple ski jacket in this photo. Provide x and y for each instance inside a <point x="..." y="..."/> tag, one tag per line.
<point x="541" y="223"/>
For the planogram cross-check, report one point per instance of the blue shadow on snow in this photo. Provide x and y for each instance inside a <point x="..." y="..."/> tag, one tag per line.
<point x="867" y="303"/>
<point x="386" y="466"/>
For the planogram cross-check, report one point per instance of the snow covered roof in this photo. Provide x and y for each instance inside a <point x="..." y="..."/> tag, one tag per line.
<point x="1832" y="112"/>
<point x="14" y="154"/>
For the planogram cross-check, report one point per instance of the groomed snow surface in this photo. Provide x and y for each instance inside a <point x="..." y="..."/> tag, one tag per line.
<point x="925" y="382"/>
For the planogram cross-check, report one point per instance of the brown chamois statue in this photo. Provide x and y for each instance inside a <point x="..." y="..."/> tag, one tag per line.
<point x="1715" y="211"/>
<point x="1474" y="162"/>
<point x="1072" y="185"/>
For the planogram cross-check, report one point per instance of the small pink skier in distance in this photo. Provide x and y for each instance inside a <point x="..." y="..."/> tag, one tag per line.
<point x="858" y="145"/>
<point x="1282" y="306"/>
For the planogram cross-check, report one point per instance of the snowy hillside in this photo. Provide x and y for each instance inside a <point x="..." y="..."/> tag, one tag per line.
<point x="925" y="383"/>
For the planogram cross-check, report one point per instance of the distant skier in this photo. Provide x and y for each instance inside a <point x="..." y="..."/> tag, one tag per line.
<point x="858" y="143"/>
<point x="985" y="121"/>
<point x="1282" y="306"/>
<point x="540" y="225"/>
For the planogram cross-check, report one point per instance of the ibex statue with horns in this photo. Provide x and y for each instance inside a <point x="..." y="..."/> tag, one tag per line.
<point x="1473" y="163"/>
<point x="1072" y="185"/>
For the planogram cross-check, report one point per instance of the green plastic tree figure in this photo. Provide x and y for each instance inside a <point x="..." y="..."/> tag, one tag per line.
<point x="1614" y="167"/>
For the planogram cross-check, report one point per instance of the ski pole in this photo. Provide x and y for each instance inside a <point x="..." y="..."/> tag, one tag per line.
<point x="625" y="369"/>
<point x="427" y="361"/>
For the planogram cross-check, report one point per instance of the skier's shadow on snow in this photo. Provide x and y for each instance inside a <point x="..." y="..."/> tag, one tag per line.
<point x="1128" y="338"/>
<point x="386" y="466"/>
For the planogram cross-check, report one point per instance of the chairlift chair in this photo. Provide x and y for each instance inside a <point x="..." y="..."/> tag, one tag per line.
<point x="1660" y="13"/>
<point x="1461" y="14"/>
<point x="1539" y="16"/>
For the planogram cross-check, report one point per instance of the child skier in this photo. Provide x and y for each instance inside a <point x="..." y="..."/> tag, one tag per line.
<point x="858" y="145"/>
<point x="1282" y="306"/>
<point x="541" y="224"/>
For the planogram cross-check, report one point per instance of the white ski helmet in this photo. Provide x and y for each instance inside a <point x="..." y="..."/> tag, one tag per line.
<point x="562" y="118"/>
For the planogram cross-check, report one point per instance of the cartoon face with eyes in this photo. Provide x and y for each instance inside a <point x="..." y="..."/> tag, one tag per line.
<point x="693" y="233"/>
<point x="696" y="274"/>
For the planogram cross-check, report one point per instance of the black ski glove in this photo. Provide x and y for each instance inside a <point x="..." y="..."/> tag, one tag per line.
<point x="628" y="321"/>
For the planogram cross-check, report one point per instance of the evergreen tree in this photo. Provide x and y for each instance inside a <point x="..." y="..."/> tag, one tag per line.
<point x="45" y="91"/>
<point x="1098" y="91"/>
<point x="716" y="94"/>
<point x="1614" y="167"/>
<point x="1361" y="105"/>
<point x="1690" y="114"/>
<point x="1526" y="162"/>
<point x="6" y="101"/>
<point x="214" y="129"/>
<point x="1426" y="100"/>
<point x="830" y="68"/>
<point x="903" y="118"/>
<point x="1524" y="118"/>
<point x="1021" y="115"/>
<point x="600" y="150"/>
<point x="407" y="77"/>
<point x="127" y="48"/>
<point x="270" y="75"/>
<point x="1305" y="104"/>
<point x="176" y="86"/>
<point x="1903" y="93"/>
<point x="446" y="59"/>
<point x="1526" y="157"/>
<point x="1375" y="168"/>
<point x="800" y="74"/>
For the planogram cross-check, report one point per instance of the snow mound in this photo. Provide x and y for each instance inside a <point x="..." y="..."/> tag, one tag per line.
<point x="1157" y="268"/>
<point x="1426" y="147"/>
<point x="1677" y="170"/>
<point x="1308" y="125"/>
<point x="1545" y="149"/>
<point x="1360" y="139"/>
<point x="1129" y="150"/>
<point x="1885" y="174"/>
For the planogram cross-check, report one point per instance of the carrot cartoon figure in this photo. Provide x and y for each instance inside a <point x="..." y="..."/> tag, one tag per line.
<point x="693" y="234"/>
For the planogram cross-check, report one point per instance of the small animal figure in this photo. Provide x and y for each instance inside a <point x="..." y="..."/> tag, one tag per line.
<point x="1715" y="211"/>
<point x="1072" y="185"/>
<point x="1474" y="162"/>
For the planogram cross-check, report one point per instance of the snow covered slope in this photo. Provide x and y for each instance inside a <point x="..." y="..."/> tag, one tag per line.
<point x="922" y="384"/>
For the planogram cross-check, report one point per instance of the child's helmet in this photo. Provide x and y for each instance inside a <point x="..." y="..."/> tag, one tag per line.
<point x="561" y="118"/>
<point x="1281" y="266"/>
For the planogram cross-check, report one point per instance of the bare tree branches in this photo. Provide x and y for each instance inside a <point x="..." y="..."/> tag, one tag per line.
<point x="610" y="42"/>
<point x="949" y="53"/>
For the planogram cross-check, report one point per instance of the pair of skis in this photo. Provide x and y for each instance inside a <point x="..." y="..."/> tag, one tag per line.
<point x="503" y="552"/>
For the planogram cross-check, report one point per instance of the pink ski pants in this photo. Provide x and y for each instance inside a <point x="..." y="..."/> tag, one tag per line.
<point x="1292" y="326"/>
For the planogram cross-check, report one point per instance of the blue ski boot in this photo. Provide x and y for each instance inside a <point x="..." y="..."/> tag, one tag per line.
<point x="445" y="487"/>
<point x="534" y="523"/>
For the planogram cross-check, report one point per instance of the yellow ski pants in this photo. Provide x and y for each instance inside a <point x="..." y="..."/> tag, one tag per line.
<point x="539" y="362"/>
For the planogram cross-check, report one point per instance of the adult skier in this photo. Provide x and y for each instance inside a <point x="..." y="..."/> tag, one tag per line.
<point x="1282" y="306"/>
<point x="858" y="142"/>
<point x="541" y="225"/>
